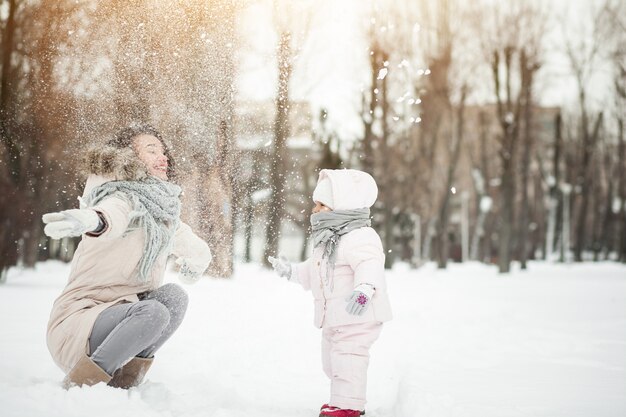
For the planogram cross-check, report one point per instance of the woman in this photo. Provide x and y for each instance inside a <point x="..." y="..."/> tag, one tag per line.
<point x="113" y="315"/>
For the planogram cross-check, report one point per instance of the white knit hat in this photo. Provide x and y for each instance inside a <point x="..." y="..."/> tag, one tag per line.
<point x="323" y="193"/>
<point x="345" y="189"/>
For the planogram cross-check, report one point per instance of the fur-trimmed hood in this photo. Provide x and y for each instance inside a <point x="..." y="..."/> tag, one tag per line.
<point x="114" y="163"/>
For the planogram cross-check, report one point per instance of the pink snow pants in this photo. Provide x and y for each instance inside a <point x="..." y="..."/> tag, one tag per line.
<point x="345" y="357"/>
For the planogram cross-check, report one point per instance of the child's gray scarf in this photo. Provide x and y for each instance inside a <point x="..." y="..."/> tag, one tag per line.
<point x="156" y="210"/>
<point x="329" y="226"/>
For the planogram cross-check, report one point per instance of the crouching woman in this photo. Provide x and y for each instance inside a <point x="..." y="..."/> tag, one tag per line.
<point x="114" y="314"/>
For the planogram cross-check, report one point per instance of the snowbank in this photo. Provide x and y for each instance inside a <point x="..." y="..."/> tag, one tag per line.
<point x="464" y="342"/>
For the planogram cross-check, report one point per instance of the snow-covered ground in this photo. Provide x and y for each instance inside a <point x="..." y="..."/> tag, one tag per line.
<point x="464" y="342"/>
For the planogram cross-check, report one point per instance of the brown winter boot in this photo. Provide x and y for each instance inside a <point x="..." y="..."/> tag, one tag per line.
<point x="131" y="374"/>
<point x="85" y="372"/>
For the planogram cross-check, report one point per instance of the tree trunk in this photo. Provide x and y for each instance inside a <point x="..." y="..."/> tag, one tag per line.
<point x="6" y="87"/>
<point x="509" y="122"/>
<point x="589" y="141"/>
<point x="444" y="211"/>
<point x="527" y="72"/>
<point x="385" y="179"/>
<point x="507" y="216"/>
<point x="485" y="247"/>
<point x="605" y="243"/>
<point x="248" y="219"/>
<point x="567" y="222"/>
<point x="279" y="151"/>
<point x="554" y="198"/>
<point x="11" y="196"/>
<point x="597" y="213"/>
<point x="221" y="218"/>
<point x="369" y="138"/>
<point x="621" y="151"/>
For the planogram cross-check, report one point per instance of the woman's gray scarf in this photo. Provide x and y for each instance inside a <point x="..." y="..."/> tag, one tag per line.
<point x="329" y="226"/>
<point x="156" y="210"/>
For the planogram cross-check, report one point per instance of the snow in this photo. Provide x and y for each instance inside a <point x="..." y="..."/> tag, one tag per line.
<point x="617" y="205"/>
<point x="485" y="203"/>
<point x="261" y="195"/>
<point x="464" y="342"/>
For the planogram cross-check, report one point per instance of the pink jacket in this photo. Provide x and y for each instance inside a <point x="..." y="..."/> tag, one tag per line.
<point x="360" y="259"/>
<point x="102" y="275"/>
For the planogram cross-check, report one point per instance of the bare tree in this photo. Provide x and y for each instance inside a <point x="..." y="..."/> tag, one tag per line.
<point x="374" y="146"/>
<point x="10" y="198"/>
<point x="442" y="255"/>
<point x="279" y="146"/>
<point x="31" y="108"/>
<point x="6" y="85"/>
<point x="388" y="121"/>
<point x="583" y="54"/>
<point x="481" y="239"/>
<point x="287" y="18"/>
<point x="528" y="67"/>
<point x="438" y="118"/>
<point x="554" y="195"/>
<point x="621" y="167"/>
<point x="613" y="32"/>
<point x="508" y="117"/>
<point x="409" y="141"/>
<point x="511" y="42"/>
<point x="604" y="216"/>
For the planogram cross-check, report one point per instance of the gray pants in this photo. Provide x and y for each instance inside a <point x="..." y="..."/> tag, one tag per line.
<point x="124" y="331"/>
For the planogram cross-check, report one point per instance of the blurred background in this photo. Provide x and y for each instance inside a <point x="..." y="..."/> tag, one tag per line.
<point x="495" y="129"/>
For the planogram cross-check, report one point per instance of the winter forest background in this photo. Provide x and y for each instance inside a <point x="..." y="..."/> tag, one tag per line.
<point x="495" y="129"/>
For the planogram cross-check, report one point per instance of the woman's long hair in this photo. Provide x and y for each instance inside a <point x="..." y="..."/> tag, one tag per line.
<point x="125" y="137"/>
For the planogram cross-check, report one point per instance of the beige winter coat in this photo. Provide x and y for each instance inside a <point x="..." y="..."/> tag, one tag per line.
<point x="103" y="271"/>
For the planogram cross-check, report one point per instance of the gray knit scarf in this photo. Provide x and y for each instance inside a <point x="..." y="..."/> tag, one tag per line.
<point x="156" y="211"/>
<point x="329" y="226"/>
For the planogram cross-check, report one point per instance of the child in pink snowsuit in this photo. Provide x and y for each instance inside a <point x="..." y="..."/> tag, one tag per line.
<point x="346" y="275"/>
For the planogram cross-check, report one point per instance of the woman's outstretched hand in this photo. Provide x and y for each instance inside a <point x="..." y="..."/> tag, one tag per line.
<point x="281" y="266"/>
<point x="72" y="222"/>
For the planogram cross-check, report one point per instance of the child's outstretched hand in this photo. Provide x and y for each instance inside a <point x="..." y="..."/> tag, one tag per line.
<point x="359" y="300"/>
<point x="281" y="266"/>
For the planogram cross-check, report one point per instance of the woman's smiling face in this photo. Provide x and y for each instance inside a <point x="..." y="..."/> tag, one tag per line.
<point x="150" y="151"/>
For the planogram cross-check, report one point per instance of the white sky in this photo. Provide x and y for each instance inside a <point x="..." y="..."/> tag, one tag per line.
<point x="329" y="69"/>
<point x="332" y="66"/>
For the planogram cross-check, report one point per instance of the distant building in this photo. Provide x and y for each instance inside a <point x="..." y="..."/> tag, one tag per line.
<point x="482" y="120"/>
<point x="254" y="136"/>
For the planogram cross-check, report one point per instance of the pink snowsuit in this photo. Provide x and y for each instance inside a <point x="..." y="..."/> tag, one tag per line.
<point x="346" y="338"/>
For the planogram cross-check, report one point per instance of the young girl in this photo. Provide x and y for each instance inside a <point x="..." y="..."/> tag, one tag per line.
<point x="113" y="315"/>
<point x="346" y="275"/>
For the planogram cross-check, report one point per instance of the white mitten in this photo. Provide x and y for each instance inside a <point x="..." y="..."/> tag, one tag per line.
<point x="281" y="266"/>
<point x="72" y="222"/>
<point x="190" y="272"/>
<point x="360" y="298"/>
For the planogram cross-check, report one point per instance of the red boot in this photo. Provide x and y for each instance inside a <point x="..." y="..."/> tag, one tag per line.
<point x="330" y="411"/>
